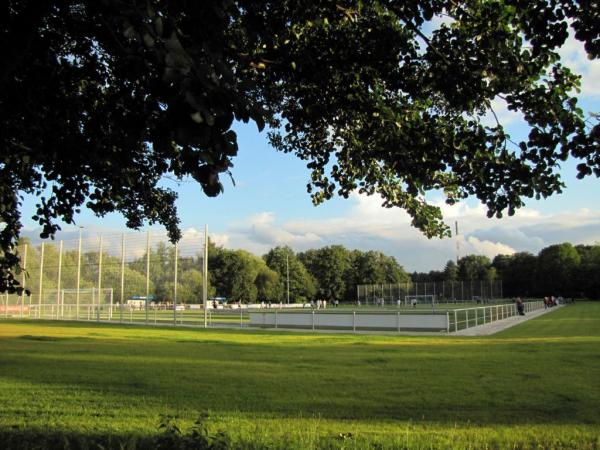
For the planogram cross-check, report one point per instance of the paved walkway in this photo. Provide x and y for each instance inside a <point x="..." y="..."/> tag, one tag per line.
<point x="499" y="325"/>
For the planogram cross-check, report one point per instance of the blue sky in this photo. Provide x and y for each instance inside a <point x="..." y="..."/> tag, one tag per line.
<point x="269" y="206"/>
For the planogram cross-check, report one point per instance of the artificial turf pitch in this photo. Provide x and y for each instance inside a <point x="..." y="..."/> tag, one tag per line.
<point x="536" y="385"/>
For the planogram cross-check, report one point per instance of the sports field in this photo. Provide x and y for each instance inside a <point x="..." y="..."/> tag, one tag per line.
<point x="533" y="386"/>
<point x="229" y="317"/>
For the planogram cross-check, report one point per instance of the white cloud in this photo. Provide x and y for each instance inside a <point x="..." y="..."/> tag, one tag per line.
<point x="368" y="226"/>
<point x="574" y="56"/>
<point x="220" y="240"/>
<point x="487" y="248"/>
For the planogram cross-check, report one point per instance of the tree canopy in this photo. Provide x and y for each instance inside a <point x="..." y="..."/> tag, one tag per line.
<point x="99" y="99"/>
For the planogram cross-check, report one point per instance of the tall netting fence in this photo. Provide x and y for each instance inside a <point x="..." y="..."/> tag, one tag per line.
<point x="426" y="293"/>
<point x="133" y="277"/>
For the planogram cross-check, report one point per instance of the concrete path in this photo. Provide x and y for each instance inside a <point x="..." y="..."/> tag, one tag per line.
<point x="495" y="327"/>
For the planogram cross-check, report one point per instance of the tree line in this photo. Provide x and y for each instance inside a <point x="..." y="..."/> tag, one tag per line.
<point x="99" y="100"/>
<point x="561" y="269"/>
<point x="328" y="273"/>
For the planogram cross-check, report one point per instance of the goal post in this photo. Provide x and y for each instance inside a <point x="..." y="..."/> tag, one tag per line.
<point x="90" y="299"/>
<point x="424" y="299"/>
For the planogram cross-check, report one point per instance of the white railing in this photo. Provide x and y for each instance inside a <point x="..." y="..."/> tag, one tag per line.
<point x="473" y="317"/>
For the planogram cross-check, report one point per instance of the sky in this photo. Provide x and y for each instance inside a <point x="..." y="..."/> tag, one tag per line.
<point x="269" y="206"/>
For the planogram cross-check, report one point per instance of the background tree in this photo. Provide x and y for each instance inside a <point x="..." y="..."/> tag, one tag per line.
<point x="476" y="267"/>
<point x="587" y="277"/>
<point x="556" y="270"/>
<point x="302" y="284"/>
<point x="518" y="274"/>
<point x="100" y="98"/>
<point x="268" y="285"/>
<point x="451" y="271"/>
<point x="329" y="266"/>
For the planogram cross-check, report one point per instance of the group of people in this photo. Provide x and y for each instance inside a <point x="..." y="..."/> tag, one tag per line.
<point x="552" y="301"/>
<point x="322" y="304"/>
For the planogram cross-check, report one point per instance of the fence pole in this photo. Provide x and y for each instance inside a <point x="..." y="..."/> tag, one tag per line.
<point x="23" y="279"/>
<point x="354" y="321"/>
<point x="398" y="320"/>
<point x="455" y="321"/>
<point x="41" y="282"/>
<point x="99" y="273"/>
<point x="205" y="273"/>
<point x="59" y="311"/>
<point x="147" y="272"/>
<point x="122" y="302"/>
<point x="78" y="276"/>
<point x="175" y="285"/>
<point x="447" y="321"/>
<point x="313" y="320"/>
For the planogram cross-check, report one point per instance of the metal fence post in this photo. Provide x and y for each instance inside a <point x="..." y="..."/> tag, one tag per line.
<point x="41" y="281"/>
<point x="313" y="320"/>
<point x="455" y="321"/>
<point x="59" y="307"/>
<point x="398" y="320"/>
<point x="23" y="279"/>
<point x="175" y="285"/>
<point x="275" y="318"/>
<point x="122" y="302"/>
<point x="147" y="272"/>
<point x="205" y="273"/>
<point x="100" y="274"/>
<point x="354" y="321"/>
<point x="78" y="276"/>
<point x="447" y="322"/>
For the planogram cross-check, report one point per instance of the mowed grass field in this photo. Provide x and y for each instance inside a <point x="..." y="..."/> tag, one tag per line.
<point x="536" y="385"/>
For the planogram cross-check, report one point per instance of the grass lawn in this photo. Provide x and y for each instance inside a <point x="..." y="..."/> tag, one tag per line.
<point x="536" y="385"/>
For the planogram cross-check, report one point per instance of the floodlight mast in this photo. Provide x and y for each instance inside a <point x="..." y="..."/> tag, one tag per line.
<point x="457" y="241"/>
